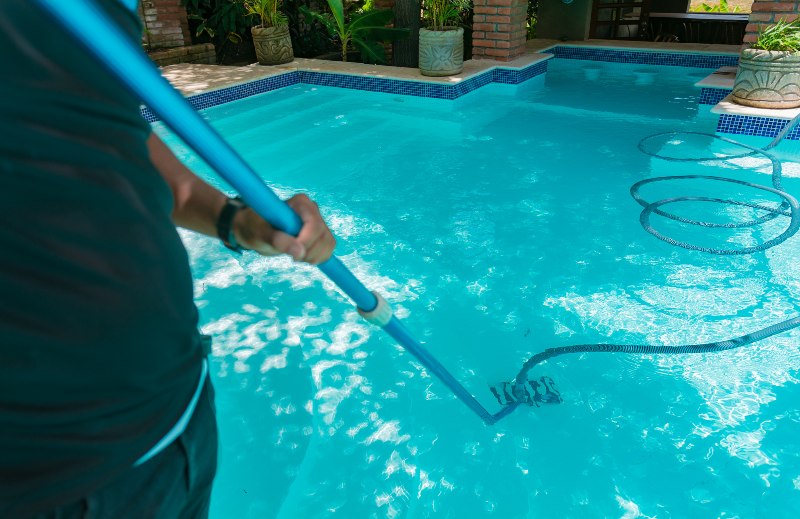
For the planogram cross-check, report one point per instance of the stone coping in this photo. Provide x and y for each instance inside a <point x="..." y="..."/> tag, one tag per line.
<point x="211" y="83"/>
<point x="700" y="48"/>
<point x="722" y="78"/>
<point x="728" y="107"/>
<point x="191" y="79"/>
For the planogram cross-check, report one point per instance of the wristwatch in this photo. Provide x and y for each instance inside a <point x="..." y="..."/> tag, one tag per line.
<point x="225" y="223"/>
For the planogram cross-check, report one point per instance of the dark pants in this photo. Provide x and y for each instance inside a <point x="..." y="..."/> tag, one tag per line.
<point x="175" y="484"/>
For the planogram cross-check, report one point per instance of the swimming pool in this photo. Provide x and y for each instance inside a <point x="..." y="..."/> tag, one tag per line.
<point x="498" y="225"/>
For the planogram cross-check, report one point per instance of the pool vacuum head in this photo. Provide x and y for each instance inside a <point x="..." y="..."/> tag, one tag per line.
<point x="533" y="392"/>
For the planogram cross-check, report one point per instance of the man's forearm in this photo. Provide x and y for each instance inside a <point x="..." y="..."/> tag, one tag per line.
<point x="197" y="204"/>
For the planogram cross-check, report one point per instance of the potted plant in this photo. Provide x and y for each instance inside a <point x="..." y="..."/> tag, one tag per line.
<point x="441" y="43"/>
<point x="271" y="37"/>
<point x="365" y="29"/>
<point x="769" y="71"/>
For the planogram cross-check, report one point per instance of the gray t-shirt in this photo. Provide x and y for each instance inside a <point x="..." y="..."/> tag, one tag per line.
<point x="99" y="351"/>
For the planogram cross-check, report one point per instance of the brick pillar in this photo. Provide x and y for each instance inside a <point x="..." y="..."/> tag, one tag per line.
<point x="498" y="29"/>
<point x="166" y="23"/>
<point x="766" y="13"/>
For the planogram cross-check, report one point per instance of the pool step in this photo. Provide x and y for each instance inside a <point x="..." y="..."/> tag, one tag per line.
<point x="284" y="118"/>
<point x="360" y="131"/>
<point x="582" y="113"/>
<point x="305" y="102"/>
<point x="370" y="140"/>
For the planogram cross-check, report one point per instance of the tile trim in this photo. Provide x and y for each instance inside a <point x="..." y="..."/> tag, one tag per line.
<point x="756" y="126"/>
<point x="712" y="96"/>
<point x="735" y="124"/>
<point x="232" y="93"/>
<point x="498" y="74"/>
<point x="509" y="76"/>
<point x="644" y="57"/>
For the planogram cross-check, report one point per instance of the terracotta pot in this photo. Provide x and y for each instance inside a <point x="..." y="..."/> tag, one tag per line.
<point x="767" y="79"/>
<point x="273" y="44"/>
<point x="441" y="53"/>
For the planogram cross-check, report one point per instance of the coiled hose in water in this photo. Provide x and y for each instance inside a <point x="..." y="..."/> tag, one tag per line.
<point x="788" y="208"/>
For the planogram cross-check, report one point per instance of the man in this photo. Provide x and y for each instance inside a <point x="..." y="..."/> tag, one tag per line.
<point x="105" y="406"/>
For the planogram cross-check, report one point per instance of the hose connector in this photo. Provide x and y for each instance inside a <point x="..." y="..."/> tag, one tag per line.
<point x="381" y="314"/>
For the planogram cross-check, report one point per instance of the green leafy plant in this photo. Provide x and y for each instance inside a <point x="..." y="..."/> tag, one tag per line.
<point x="267" y="11"/>
<point x="721" y="7"/>
<point x="783" y="36"/>
<point x="531" y="19"/>
<point x="364" y="29"/>
<point x="441" y="14"/>
<point x="307" y="38"/>
<point x="223" y="19"/>
<point x="223" y="22"/>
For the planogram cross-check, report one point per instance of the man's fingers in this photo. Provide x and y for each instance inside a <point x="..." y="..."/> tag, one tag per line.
<point x="321" y="250"/>
<point x="314" y="244"/>
<point x="314" y="235"/>
<point x="282" y="243"/>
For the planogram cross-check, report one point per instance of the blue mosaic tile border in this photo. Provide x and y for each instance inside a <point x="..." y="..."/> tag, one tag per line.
<point x="233" y="93"/>
<point x="712" y="96"/>
<point x="510" y="76"/>
<point x="371" y="84"/>
<point x="645" y="57"/>
<point x="374" y="84"/>
<point x="474" y="83"/>
<point x="423" y="89"/>
<point x="757" y="126"/>
<point x="447" y="91"/>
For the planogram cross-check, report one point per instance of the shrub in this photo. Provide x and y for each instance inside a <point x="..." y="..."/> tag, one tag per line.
<point x="783" y="36"/>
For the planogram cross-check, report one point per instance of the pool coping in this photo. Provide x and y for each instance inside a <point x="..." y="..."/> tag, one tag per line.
<point x="375" y="78"/>
<point x="728" y="107"/>
<point x="476" y="74"/>
<point x="193" y="79"/>
<point x="255" y="79"/>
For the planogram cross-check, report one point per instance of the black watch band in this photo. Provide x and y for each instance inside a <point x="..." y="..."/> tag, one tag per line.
<point x="225" y="223"/>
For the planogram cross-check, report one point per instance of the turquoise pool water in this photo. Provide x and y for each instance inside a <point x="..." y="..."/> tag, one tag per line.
<point x="499" y="225"/>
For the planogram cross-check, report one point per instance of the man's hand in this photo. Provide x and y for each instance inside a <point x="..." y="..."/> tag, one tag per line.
<point x="197" y="206"/>
<point x="313" y="245"/>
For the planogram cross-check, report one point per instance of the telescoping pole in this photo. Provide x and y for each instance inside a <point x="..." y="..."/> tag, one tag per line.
<point x="89" y="25"/>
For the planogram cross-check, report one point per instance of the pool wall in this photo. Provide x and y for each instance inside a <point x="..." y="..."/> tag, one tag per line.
<point x="645" y="57"/>
<point x="731" y="124"/>
<point x="745" y="124"/>
<point x="508" y="76"/>
<point x="712" y="96"/>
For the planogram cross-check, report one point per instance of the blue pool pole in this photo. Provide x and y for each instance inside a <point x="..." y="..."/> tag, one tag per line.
<point x="126" y="60"/>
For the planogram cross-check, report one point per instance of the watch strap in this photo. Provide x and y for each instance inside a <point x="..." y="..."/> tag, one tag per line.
<point x="225" y="223"/>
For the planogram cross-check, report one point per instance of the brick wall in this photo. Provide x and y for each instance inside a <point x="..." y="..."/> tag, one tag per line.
<point x="498" y="29"/>
<point x="202" y="53"/>
<point x="767" y="12"/>
<point x="166" y="23"/>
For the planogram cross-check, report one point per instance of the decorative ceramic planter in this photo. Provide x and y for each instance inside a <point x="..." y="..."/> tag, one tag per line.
<point x="768" y="79"/>
<point x="273" y="44"/>
<point x="441" y="53"/>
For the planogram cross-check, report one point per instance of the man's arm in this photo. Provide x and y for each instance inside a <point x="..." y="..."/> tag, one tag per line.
<point x="198" y="205"/>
